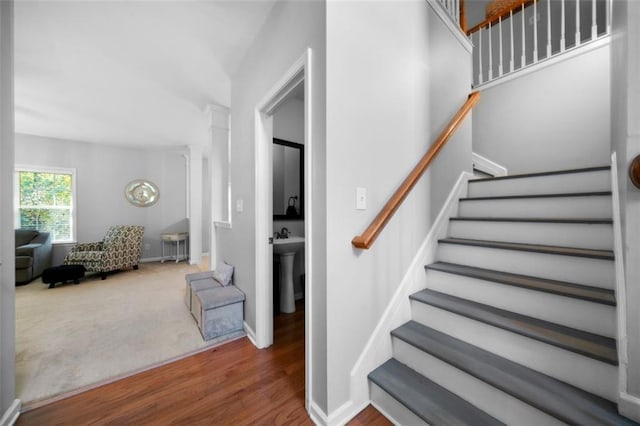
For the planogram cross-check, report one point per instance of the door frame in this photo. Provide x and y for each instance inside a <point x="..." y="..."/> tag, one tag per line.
<point x="298" y="73"/>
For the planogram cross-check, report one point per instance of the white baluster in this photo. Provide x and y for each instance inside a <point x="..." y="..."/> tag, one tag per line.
<point x="480" y="56"/>
<point x="562" y="25"/>
<point x="490" y="55"/>
<point x="608" y="15"/>
<point x="577" y="22"/>
<point x="500" y="68"/>
<point x="535" y="31"/>
<point x="523" y="59"/>
<point x="594" y="23"/>
<point x="548" y="29"/>
<point x="511" y="60"/>
<point x="456" y="11"/>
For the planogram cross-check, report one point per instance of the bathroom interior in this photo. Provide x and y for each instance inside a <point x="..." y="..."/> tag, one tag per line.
<point x="288" y="205"/>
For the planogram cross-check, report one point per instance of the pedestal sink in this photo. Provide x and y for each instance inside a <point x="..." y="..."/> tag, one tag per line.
<point x="286" y="248"/>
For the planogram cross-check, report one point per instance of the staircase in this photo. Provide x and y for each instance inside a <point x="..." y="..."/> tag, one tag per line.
<point x="518" y="323"/>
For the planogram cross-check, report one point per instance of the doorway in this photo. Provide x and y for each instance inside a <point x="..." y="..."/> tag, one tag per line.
<point x="296" y="79"/>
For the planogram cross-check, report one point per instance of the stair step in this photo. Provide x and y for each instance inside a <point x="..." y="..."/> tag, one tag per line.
<point x="541" y="174"/>
<point x="577" y="291"/>
<point x="558" y="399"/>
<point x="594" y="234"/>
<point x="577" y="180"/>
<point x="536" y="248"/>
<point x="578" y="341"/>
<point x="529" y="196"/>
<point x="428" y="400"/>
<point x="585" y="205"/>
<point x="586" y="221"/>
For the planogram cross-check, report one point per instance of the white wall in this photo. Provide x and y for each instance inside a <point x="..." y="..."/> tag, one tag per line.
<point x="7" y="247"/>
<point x="625" y="141"/>
<point x="102" y="171"/>
<point x="395" y="76"/>
<point x="555" y="118"/>
<point x="291" y="28"/>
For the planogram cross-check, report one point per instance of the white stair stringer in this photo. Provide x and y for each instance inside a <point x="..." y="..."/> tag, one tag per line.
<point x="587" y="271"/>
<point x="494" y="402"/>
<point x="586" y="373"/>
<point x="587" y="181"/>
<point x="587" y="207"/>
<point x="584" y="315"/>
<point x="597" y="236"/>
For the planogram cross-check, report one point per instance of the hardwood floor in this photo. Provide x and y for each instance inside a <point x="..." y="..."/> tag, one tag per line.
<point x="232" y="384"/>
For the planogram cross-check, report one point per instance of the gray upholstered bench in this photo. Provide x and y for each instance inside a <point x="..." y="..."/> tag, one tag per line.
<point x="196" y="282"/>
<point x="218" y="311"/>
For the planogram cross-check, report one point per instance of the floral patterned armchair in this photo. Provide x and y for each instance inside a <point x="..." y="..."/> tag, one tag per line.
<point x="120" y="249"/>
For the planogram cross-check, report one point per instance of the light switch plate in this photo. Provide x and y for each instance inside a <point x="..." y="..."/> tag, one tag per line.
<point x="361" y="198"/>
<point x="239" y="205"/>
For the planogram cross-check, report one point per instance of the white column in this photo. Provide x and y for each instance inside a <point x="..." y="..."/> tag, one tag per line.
<point x="195" y="203"/>
<point x="219" y="167"/>
<point x="8" y="404"/>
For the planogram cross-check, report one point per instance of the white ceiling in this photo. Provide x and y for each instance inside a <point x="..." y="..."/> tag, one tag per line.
<point x="128" y="72"/>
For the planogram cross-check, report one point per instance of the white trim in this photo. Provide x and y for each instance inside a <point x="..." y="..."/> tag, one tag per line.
<point x="316" y="414"/>
<point x="299" y="73"/>
<point x="10" y="416"/>
<point x="56" y="170"/>
<point x="225" y="225"/>
<point x="251" y="335"/>
<point x="451" y="25"/>
<point x="628" y="405"/>
<point x="564" y="56"/>
<point x="485" y="165"/>
<point x="378" y="348"/>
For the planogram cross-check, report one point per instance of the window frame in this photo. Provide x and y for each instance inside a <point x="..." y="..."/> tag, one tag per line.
<point x="54" y="170"/>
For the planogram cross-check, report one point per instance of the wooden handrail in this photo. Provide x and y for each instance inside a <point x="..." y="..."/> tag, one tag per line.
<point x="505" y="13"/>
<point x="366" y="239"/>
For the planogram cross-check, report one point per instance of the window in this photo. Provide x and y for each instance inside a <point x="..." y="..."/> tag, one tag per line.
<point x="45" y="201"/>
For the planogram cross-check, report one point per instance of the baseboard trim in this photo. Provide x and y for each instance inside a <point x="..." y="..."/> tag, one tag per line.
<point x="485" y="165"/>
<point x="251" y="334"/>
<point x="10" y="416"/>
<point x="317" y="415"/>
<point x="378" y="348"/>
<point x="629" y="406"/>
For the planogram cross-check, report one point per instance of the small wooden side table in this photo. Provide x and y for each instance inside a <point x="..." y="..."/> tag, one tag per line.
<point x="175" y="237"/>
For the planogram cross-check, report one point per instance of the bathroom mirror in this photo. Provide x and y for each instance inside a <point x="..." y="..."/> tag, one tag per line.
<point x="288" y="180"/>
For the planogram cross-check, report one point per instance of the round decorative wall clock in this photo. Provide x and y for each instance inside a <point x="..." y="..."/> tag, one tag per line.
<point x="141" y="193"/>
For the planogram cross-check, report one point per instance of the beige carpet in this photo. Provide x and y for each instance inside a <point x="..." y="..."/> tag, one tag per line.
<point x="74" y="336"/>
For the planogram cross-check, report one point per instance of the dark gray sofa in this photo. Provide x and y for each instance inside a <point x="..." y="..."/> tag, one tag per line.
<point x="33" y="254"/>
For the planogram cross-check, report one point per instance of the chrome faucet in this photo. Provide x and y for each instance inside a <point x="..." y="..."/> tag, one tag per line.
<point x="284" y="233"/>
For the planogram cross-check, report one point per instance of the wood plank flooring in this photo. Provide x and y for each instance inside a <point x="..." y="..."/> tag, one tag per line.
<point x="233" y="384"/>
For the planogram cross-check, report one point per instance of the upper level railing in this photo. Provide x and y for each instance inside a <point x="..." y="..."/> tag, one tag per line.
<point x="456" y="10"/>
<point x="531" y="31"/>
<point x="366" y="239"/>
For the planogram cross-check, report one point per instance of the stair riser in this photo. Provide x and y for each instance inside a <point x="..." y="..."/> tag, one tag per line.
<point x="397" y="413"/>
<point x="583" y="372"/>
<point x="574" y="182"/>
<point x="578" y="270"/>
<point x="593" y="207"/>
<point x="493" y="401"/>
<point x="593" y="236"/>
<point x="583" y="315"/>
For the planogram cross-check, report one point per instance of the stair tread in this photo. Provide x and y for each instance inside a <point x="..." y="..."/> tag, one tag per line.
<point x="562" y="288"/>
<point x="539" y="174"/>
<point x="561" y="400"/>
<point x="428" y="400"/>
<point x="537" y="248"/>
<point x="552" y="195"/>
<point x="588" y="344"/>
<point x="535" y="220"/>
